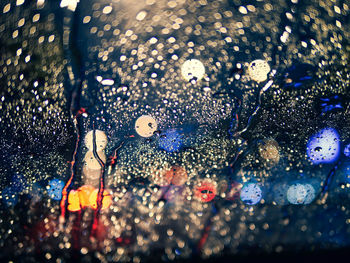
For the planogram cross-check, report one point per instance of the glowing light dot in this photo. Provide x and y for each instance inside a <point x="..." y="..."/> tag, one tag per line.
<point x="101" y="140"/>
<point x="243" y="10"/>
<point x="251" y="193"/>
<point x="107" y="82"/>
<point x="107" y="9"/>
<point x="70" y="4"/>
<point x="258" y="70"/>
<point x="19" y="2"/>
<point x="86" y="19"/>
<point x="27" y="59"/>
<point x="337" y="9"/>
<point x="141" y="15"/>
<point x="301" y="194"/>
<point x="40" y="2"/>
<point x="192" y="69"/>
<point x="153" y="40"/>
<point x="6" y="8"/>
<point x="324" y="146"/>
<point x="172" y="4"/>
<point x="145" y="126"/>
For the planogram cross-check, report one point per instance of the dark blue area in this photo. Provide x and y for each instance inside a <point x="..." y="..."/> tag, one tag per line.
<point x="298" y="75"/>
<point x="332" y="103"/>
<point x="18" y="182"/>
<point x="9" y="196"/>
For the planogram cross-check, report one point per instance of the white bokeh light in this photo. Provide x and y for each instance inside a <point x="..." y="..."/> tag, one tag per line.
<point x="192" y="69"/>
<point x="145" y="126"/>
<point x="106" y="82"/>
<point x="101" y="140"/>
<point x="251" y="193"/>
<point x="301" y="194"/>
<point x="258" y="70"/>
<point x="70" y="4"/>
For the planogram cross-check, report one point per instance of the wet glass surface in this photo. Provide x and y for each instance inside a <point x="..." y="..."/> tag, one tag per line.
<point x="174" y="130"/>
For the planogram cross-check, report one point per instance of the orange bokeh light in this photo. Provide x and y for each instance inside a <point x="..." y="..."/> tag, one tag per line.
<point x="177" y="175"/>
<point x="106" y="201"/>
<point x="86" y="196"/>
<point x="73" y="201"/>
<point x="205" y="191"/>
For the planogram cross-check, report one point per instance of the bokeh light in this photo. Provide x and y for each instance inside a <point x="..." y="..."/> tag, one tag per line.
<point x="177" y="175"/>
<point x="55" y="188"/>
<point x="269" y="151"/>
<point x="213" y="130"/>
<point x="73" y="201"/>
<point x="192" y="69"/>
<point x="84" y="193"/>
<point x="258" y="70"/>
<point x="251" y="193"/>
<point x="205" y="191"/>
<point x="145" y="126"/>
<point x="324" y="146"/>
<point x="301" y="193"/>
<point x="106" y="201"/>
<point x="170" y="140"/>
<point x="101" y="140"/>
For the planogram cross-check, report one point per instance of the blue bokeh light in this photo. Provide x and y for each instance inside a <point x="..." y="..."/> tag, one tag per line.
<point x="298" y="194"/>
<point x="251" y="193"/>
<point x="347" y="150"/>
<point x="324" y="146"/>
<point x="55" y="189"/>
<point x="171" y="141"/>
